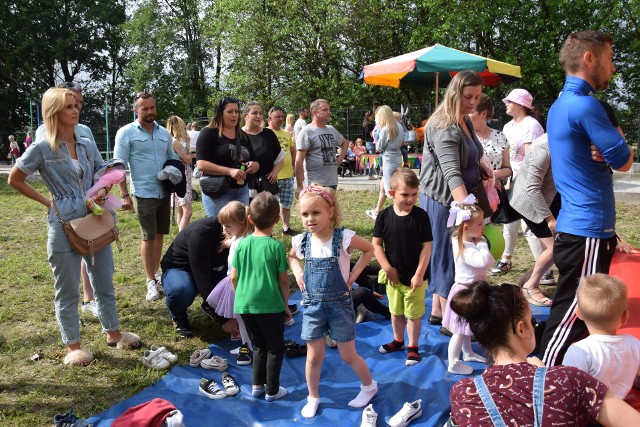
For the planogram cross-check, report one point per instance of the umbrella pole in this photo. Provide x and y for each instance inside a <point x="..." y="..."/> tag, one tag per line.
<point x="437" y="79"/>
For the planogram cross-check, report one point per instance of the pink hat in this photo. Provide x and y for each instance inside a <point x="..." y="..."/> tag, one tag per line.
<point x="521" y="97"/>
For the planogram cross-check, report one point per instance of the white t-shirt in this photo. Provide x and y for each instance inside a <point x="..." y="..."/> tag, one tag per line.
<point x="325" y="250"/>
<point x="193" y="134"/>
<point x="612" y="359"/>
<point x="518" y="135"/>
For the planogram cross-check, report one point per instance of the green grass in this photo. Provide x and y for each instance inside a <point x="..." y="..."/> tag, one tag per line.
<point x="32" y="392"/>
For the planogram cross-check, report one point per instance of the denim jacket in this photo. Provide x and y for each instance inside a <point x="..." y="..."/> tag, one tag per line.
<point x="59" y="175"/>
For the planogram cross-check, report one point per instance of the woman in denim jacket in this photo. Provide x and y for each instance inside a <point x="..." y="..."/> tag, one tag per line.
<point x="67" y="164"/>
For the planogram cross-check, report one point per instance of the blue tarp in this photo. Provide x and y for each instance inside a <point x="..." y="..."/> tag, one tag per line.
<point x="428" y="380"/>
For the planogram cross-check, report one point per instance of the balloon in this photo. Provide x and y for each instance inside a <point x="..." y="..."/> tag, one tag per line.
<point x="495" y="239"/>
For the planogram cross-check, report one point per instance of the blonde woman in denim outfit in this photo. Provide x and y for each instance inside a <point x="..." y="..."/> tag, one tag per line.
<point x="67" y="164"/>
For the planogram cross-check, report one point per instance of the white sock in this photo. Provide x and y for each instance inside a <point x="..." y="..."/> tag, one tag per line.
<point x="310" y="409"/>
<point x="282" y="392"/>
<point x="257" y="391"/>
<point x="366" y="394"/>
<point x="459" y="368"/>
<point x="473" y="357"/>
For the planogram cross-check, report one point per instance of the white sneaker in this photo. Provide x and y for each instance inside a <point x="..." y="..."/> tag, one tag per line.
<point x="371" y="214"/>
<point x="369" y="417"/>
<point x="152" y="290"/>
<point x="215" y="362"/>
<point x="408" y="413"/>
<point x="90" y="307"/>
<point x="361" y="313"/>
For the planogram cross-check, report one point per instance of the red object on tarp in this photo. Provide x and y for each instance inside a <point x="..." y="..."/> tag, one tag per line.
<point x="147" y="414"/>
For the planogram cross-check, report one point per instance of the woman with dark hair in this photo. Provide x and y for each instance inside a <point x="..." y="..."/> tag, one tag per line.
<point x="367" y="129"/>
<point x="266" y="149"/>
<point x="517" y="390"/>
<point x="451" y="171"/>
<point x="217" y="155"/>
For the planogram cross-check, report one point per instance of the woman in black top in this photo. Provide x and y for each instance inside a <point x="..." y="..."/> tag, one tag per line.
<point x="266" y="149"/>
<point x="217" y="155"/>
<point x="367" y="128"/>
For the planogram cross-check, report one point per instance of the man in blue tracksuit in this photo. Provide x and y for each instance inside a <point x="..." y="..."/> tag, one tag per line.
<point x="586" y="237"/>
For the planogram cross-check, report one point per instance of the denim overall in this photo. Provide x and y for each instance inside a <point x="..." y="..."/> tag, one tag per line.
<point x="328" y="307"/>
<point x="538" y="399"/>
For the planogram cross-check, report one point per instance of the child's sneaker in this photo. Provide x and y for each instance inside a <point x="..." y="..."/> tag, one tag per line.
<point x="90" y="307"/>
<point x="413" y="356"/>
<point x="230" y="385"/>
<point x="152" y="290"/>
<point x="391" y="347"/>
<point x="198" y="356"/>
<point x="215" y="362"/>
<point x="210" y="389"/>
<point x="408" y="413"/>
<point x="503" y="266"/>
<point x="369" y="417"/>
<point x="244" y="356"/>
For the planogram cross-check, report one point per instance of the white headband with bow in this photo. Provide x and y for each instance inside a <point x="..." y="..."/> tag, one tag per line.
<point x="457" y="214"/>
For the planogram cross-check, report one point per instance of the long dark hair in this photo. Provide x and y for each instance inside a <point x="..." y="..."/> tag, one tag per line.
<point x="365" y="121"/>
<point x="216" y="119"/>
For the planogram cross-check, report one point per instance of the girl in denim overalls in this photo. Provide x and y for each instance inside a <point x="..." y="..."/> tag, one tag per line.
<point x="326" y="287"/>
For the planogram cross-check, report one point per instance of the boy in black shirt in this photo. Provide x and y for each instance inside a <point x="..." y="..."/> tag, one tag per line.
<point x="402" y="244"/>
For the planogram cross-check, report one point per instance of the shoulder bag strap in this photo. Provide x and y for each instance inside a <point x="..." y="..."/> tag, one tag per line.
<point x="488" y="402"/>
<point x="538" y="396"/>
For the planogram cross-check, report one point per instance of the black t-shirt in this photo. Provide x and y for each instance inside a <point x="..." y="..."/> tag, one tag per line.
<point x="402" y="239"/>
<point x="266" y="149"/>
<point x="195" y="250"/>
<point x="222" y="150"/>
<point x="367" y="129"/>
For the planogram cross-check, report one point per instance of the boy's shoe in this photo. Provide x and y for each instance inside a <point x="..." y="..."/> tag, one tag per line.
<point x="547" y="278"/>
<point x="90" y="307"/>
<point x="69" y="419"/>
<point x="369" y="417"/>
<point x="293" y="308"/>
<point x="371" y="214"/>
<point x="212" y="390"/>
<point x="214" y="362"/>
<point x="413" y="356"/>
<point x="244" y="356"/>
<point x="209" y="311"/>
<point x="230" y="385"/>
<point x="502" y="267"/>
<point x="391" y="347"/>
<point x="152" y="290"/>
<point x="198" y="356"/>
<point x="183" y="328"/>
<point x="408" y="413"/>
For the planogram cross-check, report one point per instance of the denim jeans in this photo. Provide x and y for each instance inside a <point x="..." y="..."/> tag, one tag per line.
<point x="180" y="291"/>
<point x="65" y="264"/>
<point x="212" y="205"/>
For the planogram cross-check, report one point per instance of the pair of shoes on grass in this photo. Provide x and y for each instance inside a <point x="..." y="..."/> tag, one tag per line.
<point x="158" y="358"/>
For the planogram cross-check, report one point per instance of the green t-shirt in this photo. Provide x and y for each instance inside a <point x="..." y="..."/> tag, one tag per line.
<point x="259" y="260"/>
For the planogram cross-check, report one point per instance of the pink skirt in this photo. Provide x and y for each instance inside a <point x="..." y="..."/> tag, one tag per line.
<point x="221" y="299"/>
<point x="450" y="319"/>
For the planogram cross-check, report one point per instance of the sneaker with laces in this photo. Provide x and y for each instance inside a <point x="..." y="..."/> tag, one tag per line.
<point x="502" y="267"/>
<point x="183" y="327"/>
<point x="152" y="290"/>
<point x="212" y="390"/>
<point x="408" y="413"/>
<point x="215" y="362"/>
<point x="90" y="307"/>
<point x="230" y="385"/>
<point x="244" y="355"/>
<point x="369" y="417"/>
<point x="371" y="214"/>
<point x="547" y="278"/>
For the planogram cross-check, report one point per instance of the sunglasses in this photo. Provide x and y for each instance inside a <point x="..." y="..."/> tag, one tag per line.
<point x="70" y="85"/>
<point x="227" y="100"/>
<point x="274" y="109"/>
<point x="143" y="95"/>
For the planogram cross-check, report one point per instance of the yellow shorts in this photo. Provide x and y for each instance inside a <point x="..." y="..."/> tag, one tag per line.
<point x="403" y="302"/>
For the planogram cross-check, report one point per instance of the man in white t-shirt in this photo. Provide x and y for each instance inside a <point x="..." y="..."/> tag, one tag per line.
<point x="303" y="115"/>
<point x="316" y="149"/>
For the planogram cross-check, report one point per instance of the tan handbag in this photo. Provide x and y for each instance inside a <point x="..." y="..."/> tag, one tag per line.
<point x="90" y="234"/>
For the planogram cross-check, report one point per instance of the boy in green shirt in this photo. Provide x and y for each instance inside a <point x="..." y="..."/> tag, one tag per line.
<point x="259" y="275"/>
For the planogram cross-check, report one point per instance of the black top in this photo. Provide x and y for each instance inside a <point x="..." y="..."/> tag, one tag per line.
<point x="266" y="149"/>
<point x="367" y="129"/>
<point x="195" y="250"/>
<point x="222" y="150"/>
<point x="402" y="238"/>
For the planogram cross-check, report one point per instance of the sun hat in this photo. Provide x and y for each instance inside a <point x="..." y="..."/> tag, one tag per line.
<point x="521" y="97"/>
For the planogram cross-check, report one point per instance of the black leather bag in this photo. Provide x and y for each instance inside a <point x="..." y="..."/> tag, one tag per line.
<point x="481" y="199"/>
<point x="505" y="214"/>
<point x="263" y="184"/>
<point x="214" y="186"/>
